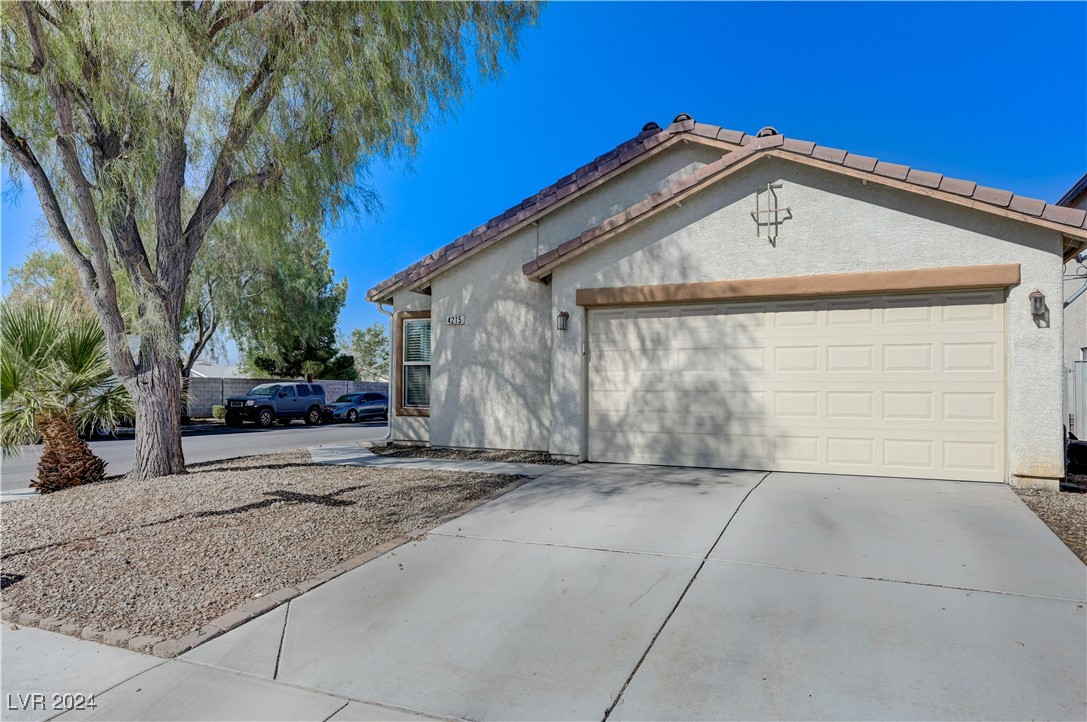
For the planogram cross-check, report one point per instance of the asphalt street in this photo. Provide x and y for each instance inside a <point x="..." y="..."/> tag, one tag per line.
<point x="18" y="471"/>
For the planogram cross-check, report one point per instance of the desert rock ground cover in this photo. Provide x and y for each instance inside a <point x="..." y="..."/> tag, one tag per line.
<point x="1065" y="512"/>
<point x="164" y="557"/>
<point x="427" y="452"/>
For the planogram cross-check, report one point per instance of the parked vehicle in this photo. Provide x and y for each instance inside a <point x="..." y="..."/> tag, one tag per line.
<point x="282" y="402"/>
<point x="358" y="407"/>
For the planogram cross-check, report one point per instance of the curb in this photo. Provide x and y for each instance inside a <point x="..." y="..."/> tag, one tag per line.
<point x="172" y="647"/>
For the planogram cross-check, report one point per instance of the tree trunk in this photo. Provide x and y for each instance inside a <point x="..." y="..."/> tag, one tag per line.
<point x="66" y="459"/>
<point x="156" y="393"/>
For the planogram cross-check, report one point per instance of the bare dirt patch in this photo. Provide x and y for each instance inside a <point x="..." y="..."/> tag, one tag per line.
<point x="1065" y="512"/>
<point x="427" y="452"/>
<point x="164" y="557"/>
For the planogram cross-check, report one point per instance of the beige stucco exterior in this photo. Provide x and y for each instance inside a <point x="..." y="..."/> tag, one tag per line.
<point x="508" y="379"/>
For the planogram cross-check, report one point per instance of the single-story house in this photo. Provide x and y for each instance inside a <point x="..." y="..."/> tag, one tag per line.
<point x="699" y="296"/>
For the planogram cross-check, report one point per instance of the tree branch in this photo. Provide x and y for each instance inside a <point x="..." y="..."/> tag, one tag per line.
<point x="244" y="118"/>
<point x="225" y="19"/>
<point x="28" y="161"/>
<point x="101" y="287"/>
<point x="32" y="69"/>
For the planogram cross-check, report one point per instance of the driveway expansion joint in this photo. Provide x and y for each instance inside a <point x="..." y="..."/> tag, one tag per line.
<point x="282" y="636"/>
<point x="660" y="630"/>
<point x="317" y="690"/>
<point x="902" y="581"/>
<point x="557" y="545"/>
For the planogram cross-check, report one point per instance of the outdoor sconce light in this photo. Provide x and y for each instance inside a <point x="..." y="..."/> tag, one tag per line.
<point x="561" y="320"/>
<point x="1037" y="303"/>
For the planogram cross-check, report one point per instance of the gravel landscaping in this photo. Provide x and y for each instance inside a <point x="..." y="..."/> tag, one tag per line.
<point x="164" y="557"/>
<point x="428" y="452"/>
<point x="1065" y="512"/>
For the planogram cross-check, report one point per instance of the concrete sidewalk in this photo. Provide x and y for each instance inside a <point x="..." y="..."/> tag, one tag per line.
<point x="644" y="593"/>
<point x="52" y="676"/>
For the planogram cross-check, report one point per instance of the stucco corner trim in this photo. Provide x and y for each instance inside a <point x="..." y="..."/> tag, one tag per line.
<point x="834" y="284"/>
<point x="398" y="362"/>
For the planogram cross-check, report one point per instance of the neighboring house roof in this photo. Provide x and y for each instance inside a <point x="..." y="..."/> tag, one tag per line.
<point x="1075" y="192"/>
<point x="742" y="149"/>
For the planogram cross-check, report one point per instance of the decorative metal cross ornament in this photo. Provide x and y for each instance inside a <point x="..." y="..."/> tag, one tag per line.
<point x="771" y="216"/>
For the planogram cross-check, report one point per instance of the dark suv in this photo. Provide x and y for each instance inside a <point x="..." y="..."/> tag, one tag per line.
<point x="282" y="402"/>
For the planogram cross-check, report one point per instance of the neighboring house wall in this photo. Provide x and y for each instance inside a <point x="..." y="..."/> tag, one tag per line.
<point x="1075" y="316"/>
<point x="207" y="392"/>
<point x="838" y="225"/>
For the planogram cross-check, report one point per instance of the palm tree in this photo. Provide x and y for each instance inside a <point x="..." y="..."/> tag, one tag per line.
<point x="55" y="381"/>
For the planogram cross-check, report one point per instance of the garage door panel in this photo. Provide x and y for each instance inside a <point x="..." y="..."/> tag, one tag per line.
<point x="893" y="385"/>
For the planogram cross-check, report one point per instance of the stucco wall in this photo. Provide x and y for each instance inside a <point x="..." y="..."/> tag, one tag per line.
<point x="406" y="428"/>
<point x="490" y="377"/>
<point x="629" y="187"/>
<point x="838" y="225"/>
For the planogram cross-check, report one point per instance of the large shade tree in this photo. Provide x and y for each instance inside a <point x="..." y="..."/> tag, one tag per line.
<point x="140" y="124"/>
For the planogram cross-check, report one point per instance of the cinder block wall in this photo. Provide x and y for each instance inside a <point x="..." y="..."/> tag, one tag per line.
<point x="205" y="393"/>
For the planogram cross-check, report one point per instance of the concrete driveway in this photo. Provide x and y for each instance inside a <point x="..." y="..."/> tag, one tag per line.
<point x="640" y="593"/>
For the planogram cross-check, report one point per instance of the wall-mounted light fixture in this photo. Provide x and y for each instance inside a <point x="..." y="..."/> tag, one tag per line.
<point x="1037" y="303"/>
<point x="561" y="320"/>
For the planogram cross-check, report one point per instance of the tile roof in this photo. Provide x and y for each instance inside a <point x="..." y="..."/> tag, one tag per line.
<point x="1070" y="220"/>
<point x="652" y="137"/>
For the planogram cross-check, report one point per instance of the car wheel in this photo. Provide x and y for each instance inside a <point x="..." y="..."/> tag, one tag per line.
<point x="313" y="416"/>
<point x="266" y="418"/>
<point x="352" y="416"/>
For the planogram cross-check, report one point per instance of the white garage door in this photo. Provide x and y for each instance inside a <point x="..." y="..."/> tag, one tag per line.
<point x="893" y="385"/>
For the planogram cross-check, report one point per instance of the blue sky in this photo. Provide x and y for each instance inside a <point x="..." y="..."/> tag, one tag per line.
<point x="992" y="92"/>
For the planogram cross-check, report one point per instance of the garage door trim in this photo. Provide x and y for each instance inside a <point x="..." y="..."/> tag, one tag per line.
<point x="949" y="278"/>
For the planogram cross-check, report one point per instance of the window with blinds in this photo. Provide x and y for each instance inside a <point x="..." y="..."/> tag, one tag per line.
<point x="417" y="363"/>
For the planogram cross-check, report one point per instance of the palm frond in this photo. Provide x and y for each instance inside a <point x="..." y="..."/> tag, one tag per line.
<point x="53" y="364"/>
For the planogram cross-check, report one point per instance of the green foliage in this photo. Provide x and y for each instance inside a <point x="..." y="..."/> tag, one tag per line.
<point x="370" y="348"/>
<point x="46" y="276"/>
<point x="292" y="318"/>
<point x="312" y="369"/>
<point x="218" y="411"/>
<point x="53" y="365"/>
